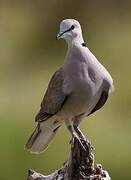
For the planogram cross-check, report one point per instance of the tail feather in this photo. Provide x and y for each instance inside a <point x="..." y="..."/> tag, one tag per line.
<point x="42" y="135"/>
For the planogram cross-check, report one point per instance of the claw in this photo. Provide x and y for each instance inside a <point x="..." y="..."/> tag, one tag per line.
<point x="77" y="137"/>
<point x="79" y="133"/>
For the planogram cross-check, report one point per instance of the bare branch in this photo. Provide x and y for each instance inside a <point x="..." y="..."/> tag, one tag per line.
<point x="80" y="166"/>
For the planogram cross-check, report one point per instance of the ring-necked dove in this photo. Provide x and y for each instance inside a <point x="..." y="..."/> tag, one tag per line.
<point x="76" y="90"/>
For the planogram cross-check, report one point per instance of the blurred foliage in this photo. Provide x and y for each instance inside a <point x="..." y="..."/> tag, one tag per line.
<point x="29" y="55"/>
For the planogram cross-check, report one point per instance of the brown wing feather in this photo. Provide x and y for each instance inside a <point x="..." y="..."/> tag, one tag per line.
<point x="54" y="97"/>
<point x="101" y="102"/>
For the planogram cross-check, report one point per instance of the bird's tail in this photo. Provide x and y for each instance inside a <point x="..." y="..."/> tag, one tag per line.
<point x="43" y="134"/>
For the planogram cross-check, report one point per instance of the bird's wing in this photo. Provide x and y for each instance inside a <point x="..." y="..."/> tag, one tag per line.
<point x="107" y="87"/>
<point x="101" y="102"/>
<point x="54" y="97"/>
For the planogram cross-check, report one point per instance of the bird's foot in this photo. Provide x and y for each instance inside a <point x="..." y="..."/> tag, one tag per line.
<point x="86" y="143"/>
<point x="75" y="136"/>
<point x="80" y="134"/>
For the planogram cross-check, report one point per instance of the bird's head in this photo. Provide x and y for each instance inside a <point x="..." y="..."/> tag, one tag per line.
<point x="70" y="30"/>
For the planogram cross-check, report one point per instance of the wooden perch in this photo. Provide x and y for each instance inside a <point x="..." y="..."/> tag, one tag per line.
<point x="80" y="166"/>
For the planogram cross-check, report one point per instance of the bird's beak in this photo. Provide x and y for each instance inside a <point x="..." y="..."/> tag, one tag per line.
<point x="59" y="35"/>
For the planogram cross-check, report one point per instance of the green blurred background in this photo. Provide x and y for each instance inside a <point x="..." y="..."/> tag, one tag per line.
<point x="29" y="55"/>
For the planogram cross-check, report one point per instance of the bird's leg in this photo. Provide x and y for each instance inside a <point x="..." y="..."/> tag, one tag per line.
<point x="86" y="143"/>
<point x="70" y="127"/>
<point x="79" y="132"/>
<point x="76" y="123"/>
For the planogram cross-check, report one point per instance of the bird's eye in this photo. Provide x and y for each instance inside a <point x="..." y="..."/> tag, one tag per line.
<point x="72" y="27"/>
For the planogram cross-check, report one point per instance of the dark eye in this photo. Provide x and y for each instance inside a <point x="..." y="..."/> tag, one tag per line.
<point x="72" y="27"/>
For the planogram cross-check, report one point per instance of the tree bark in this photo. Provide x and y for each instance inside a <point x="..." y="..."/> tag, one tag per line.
<point x="80" y="166"/>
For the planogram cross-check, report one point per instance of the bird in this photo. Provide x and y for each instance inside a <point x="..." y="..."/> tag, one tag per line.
<point x="79" y="88"/>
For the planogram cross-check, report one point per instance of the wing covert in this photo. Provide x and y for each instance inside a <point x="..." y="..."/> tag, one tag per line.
<point x="54" y="97"/>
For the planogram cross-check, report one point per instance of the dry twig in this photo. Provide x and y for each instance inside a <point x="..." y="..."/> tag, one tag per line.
<point x="80" y="166"/>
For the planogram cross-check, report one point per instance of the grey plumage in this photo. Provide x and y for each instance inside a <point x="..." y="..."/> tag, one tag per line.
<point x="54" y="97"/>
<point x="78" y="89"/>
<point x="52" y="102"/>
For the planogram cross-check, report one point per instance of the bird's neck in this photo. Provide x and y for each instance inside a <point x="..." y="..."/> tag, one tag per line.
<point x="75" y="41"/>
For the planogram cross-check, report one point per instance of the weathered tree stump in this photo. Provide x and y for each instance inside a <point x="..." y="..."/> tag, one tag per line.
<point x="80" y="166"/>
